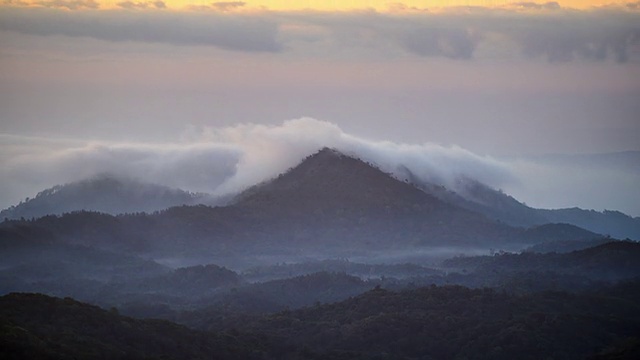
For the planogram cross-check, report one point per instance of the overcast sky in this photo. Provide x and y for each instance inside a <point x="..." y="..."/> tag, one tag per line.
<point x="496" y="84"/>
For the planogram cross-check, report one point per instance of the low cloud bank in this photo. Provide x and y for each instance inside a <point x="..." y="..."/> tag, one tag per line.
<point x="228" y="160"/>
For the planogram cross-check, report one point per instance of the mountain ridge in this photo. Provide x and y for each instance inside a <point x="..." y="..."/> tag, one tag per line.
<point x="495" y="204"/>
<point x="330" y="204"/>
<point x="114" y="195"/>
<point x="105" y="193"/>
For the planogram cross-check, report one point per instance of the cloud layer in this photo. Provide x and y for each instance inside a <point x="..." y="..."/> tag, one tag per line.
<point x="521" y="30"/>
<point x="227" y="160"/>
<point x="238" y="33"/>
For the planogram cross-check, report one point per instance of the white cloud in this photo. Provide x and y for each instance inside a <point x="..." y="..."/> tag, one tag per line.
<point x="227" y="160"/>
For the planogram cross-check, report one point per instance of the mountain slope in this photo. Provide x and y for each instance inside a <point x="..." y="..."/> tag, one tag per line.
<point x="104" y="193"/>
<point x="607" y="222"/>
<point x="334" y="197"/>
<point x="329" y="178"/>
<point x="475" y="196"/>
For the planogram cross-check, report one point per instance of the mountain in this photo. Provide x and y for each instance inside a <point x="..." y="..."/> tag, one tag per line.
<point x="476" y="196"/>
<point x="326" y="184"/>
<point x="104" y="193"/>
<point x="613" y="223"/>
<point x="335" y="198"/>
<point x="330" y="205"/>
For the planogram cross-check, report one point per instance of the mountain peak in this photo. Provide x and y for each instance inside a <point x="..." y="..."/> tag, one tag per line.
<point x="332" y="178"/>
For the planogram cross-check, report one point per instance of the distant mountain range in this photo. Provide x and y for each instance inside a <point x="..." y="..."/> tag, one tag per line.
<point x="330" y="204"/>
<point x="478" y="197"/>
<point x="326" y="179"/>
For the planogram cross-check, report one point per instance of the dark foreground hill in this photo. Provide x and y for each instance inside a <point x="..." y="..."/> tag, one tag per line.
<point x="35" y="327"/>
<point x="453" y="322"/>
<point x="449" y="322"/>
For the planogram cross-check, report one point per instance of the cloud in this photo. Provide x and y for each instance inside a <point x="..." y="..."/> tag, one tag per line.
<point x="136" y="5"/>
<point x="228" y="5"/>
<point x="552" y="5"/>
<point x="270" y="150"/>
<point x="594" y="37"/>
<point x="230" y="159"/>
<point x="540" y="31"/>
<point x="41" y="164"/>
<point x="70" y="4"/>
<point x="239" y="33"/>
<point x="451" y="43"/>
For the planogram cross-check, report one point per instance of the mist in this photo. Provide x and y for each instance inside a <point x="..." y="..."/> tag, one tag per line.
<point x="227" y="160"/>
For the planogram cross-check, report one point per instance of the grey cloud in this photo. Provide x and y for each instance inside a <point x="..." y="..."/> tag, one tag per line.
<point x="558" y="36"/>
<point x="228" y="5"/>
<point x="552" y="5"/>
<point x="554" y="34"/>
<point x="239" y="33"/>
<point x="131" y="5"/>
<point x="579" y="39"/>
<point x="70" y="4"/>
<point x="451" y="43"/>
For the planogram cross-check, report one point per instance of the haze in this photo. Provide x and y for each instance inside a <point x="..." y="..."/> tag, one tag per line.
<point x="215" y="97"/>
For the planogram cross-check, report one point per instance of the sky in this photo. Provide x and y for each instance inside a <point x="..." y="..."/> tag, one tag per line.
<point x="213" y="96"/>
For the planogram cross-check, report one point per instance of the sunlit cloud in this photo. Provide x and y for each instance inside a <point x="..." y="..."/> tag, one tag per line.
<point x="131" y="5"/>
